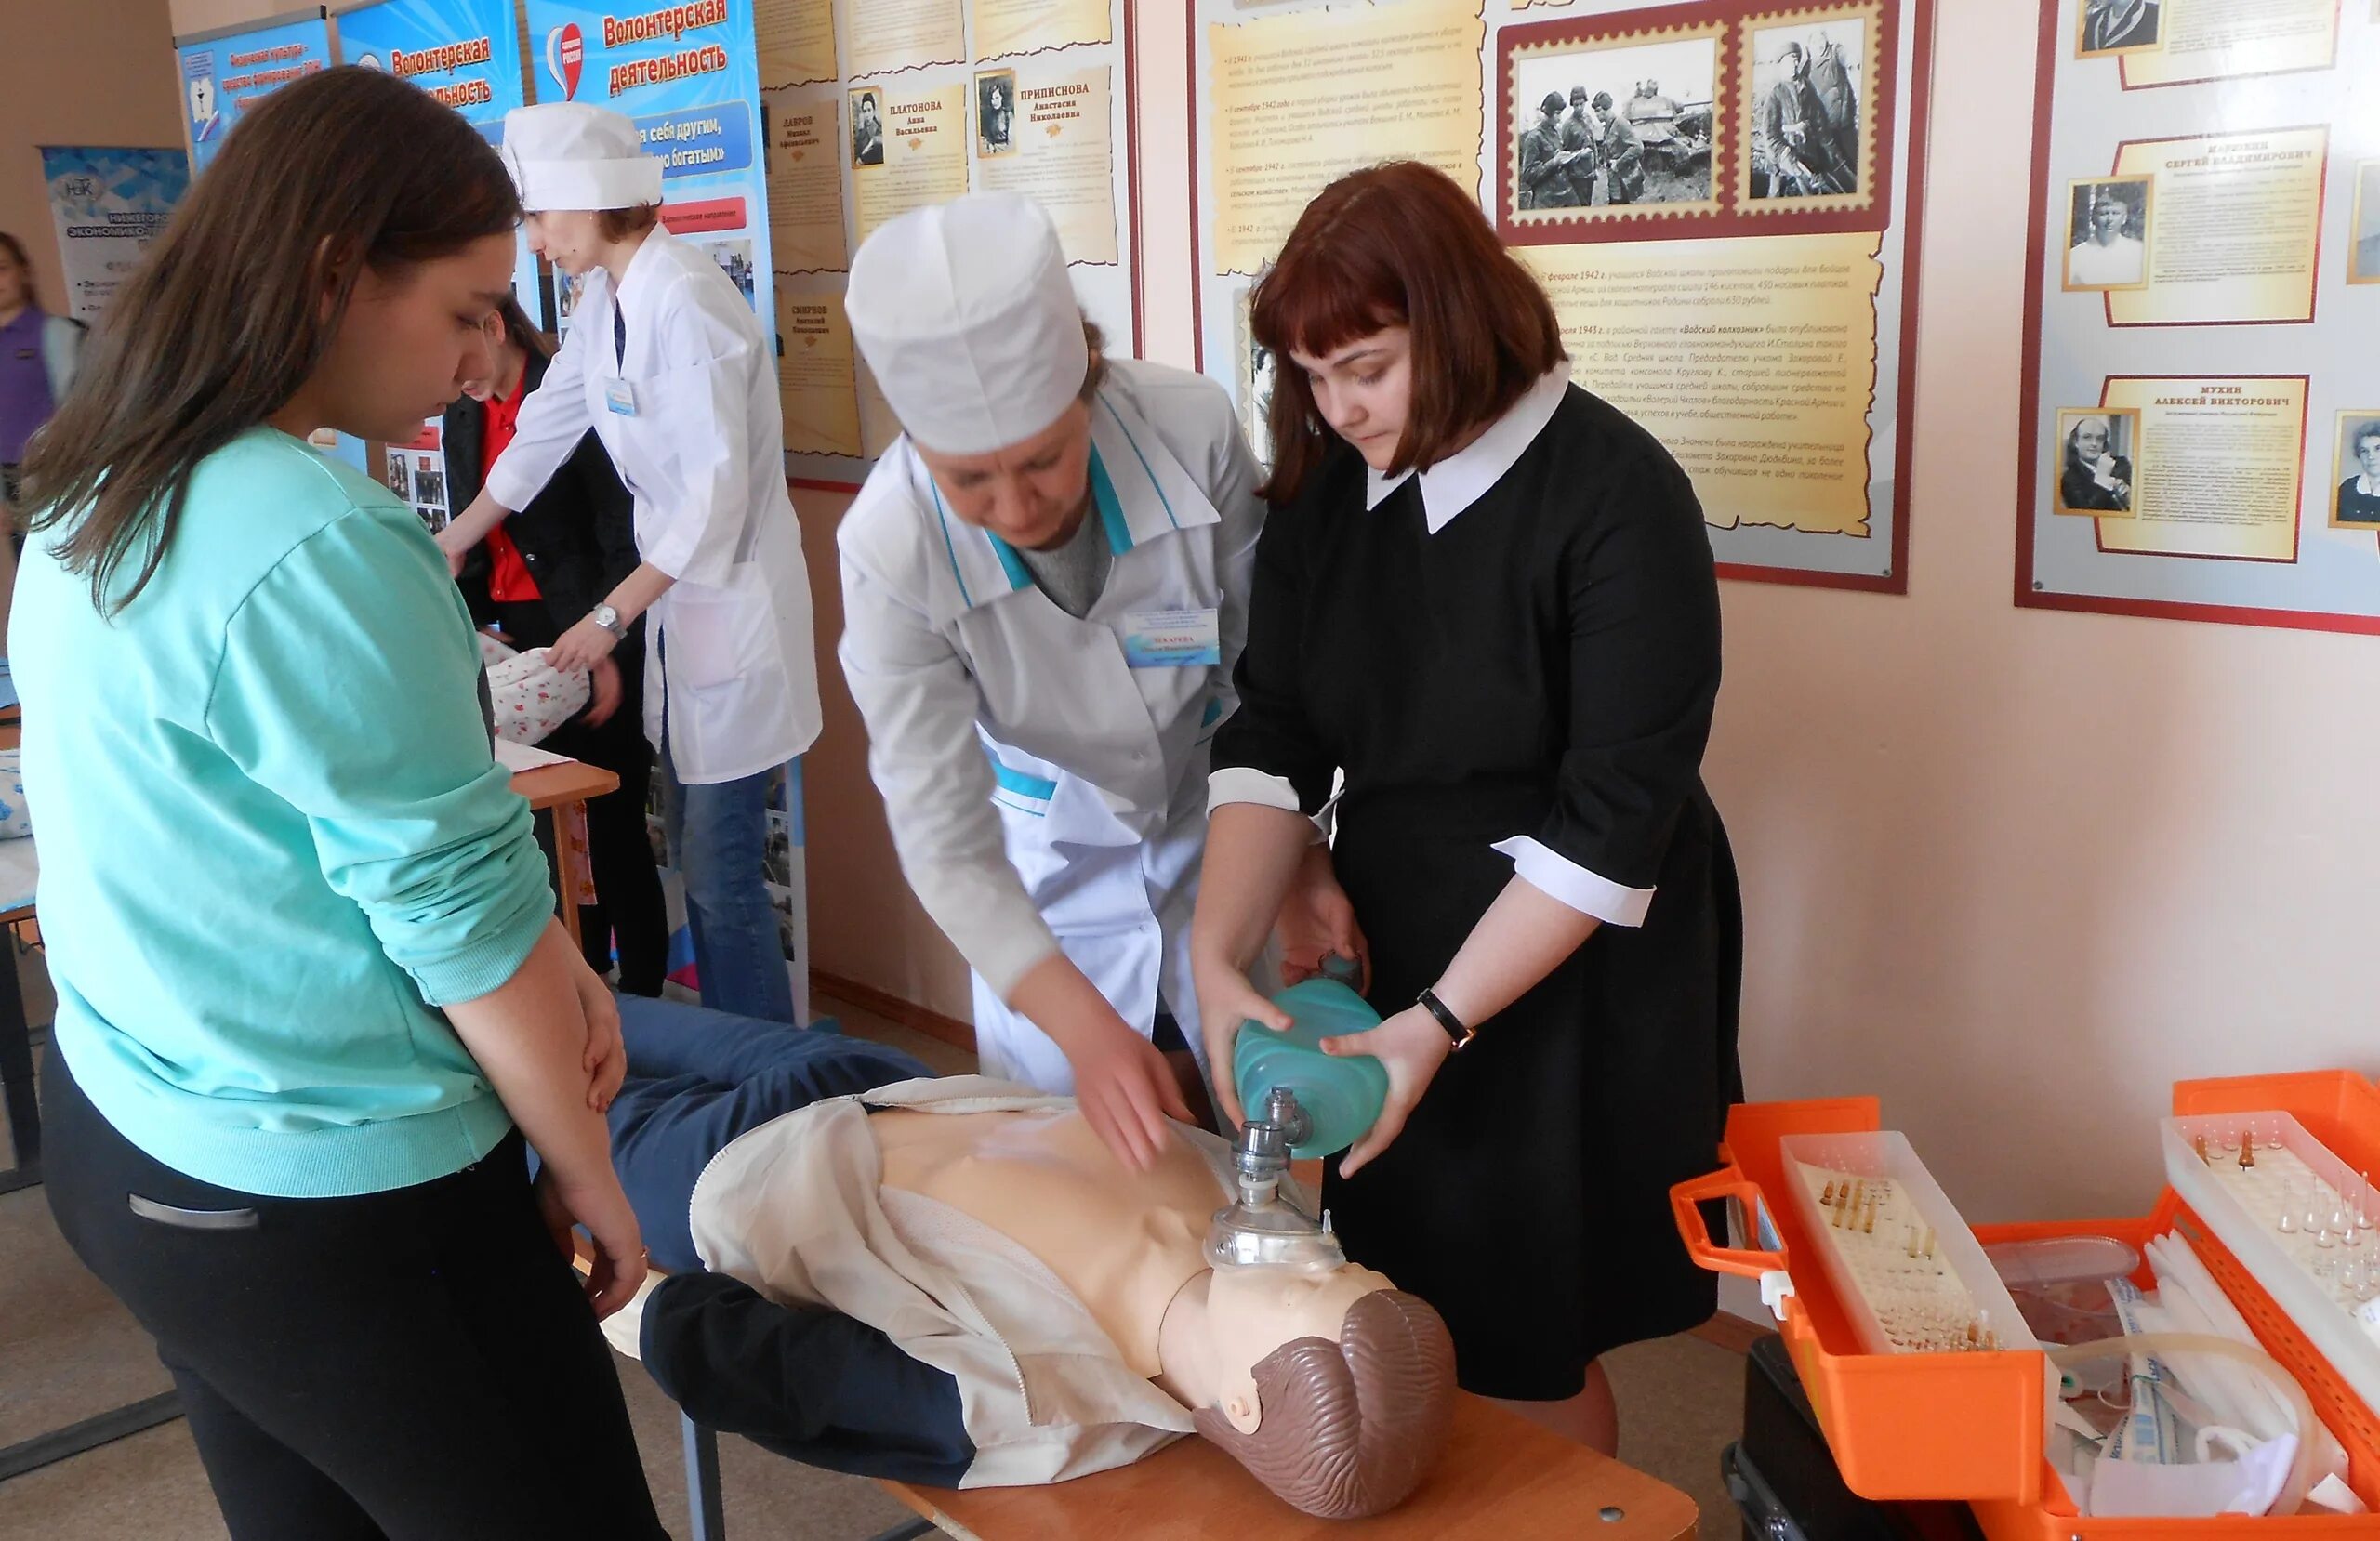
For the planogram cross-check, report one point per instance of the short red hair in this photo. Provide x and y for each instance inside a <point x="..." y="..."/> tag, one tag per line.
<point x="1400" y="244"/>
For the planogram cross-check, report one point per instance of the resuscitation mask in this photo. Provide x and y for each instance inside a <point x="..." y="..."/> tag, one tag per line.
<point x="1260" y="1227"/>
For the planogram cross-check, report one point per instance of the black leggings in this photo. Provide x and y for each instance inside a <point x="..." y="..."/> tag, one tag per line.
<point x="412" y="1365"/>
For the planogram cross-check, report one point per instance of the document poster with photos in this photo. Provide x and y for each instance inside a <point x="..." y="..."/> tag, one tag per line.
<point x="2200" y="430"/>
<point x="1719" y="196"/>
<point x="878" y="107"/>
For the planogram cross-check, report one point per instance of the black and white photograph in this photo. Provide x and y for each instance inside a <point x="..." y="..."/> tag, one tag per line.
<point x="2118" y="27"/>
<point x="1613" y="126"/>
<point x="2356" y="473"/>
<point x="735" y="259"/>
<point x="2097" y="449"/>
<point x="1255" y="381"/>
<point x="2107" y="233"/>
<point x="2364" y="252"/>
<point x="400" y="475"/>
<point x="995" y="113"/>
<point x="776" y="851"/>
<point x="867" y="129"/>
<point x="1807" y="99"/>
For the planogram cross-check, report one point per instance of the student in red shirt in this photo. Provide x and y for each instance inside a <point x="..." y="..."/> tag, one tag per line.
<point x="534" y="576"/>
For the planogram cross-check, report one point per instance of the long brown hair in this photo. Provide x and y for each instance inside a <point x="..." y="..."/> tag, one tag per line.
<point x="232" y="310"/>
<point x="1400" y="244"/>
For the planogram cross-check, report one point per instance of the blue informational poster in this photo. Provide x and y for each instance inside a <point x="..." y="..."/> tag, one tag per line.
<point x="465" y="53"/>
<point x="225" y="73"/>
<point x="108" y="204"/>
<point x="690" y="75"/>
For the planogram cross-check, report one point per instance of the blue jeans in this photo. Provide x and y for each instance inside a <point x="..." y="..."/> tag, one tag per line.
<point x="717" y="832"/>
<point x="699" y="1078"/>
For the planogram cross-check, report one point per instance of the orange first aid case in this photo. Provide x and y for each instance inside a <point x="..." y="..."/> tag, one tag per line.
<point x="1968" y="1427"/>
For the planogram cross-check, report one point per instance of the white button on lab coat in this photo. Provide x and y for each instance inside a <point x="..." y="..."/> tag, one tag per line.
<point x="691" y="419"/>
<point x="1043" y="792"/>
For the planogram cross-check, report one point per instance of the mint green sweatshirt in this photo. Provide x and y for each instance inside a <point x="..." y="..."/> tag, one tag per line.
<point x="273" y="839"/>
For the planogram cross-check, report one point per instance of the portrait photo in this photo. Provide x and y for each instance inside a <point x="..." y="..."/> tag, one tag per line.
<point x="2355" y="471"/>
<point x="2364" y="246"/>
<point x="2118" y="27"/>
<point x="2097" y="450"/>
<point x="2107" y="233"/>
<point x="400" y="475"/>
<point x="1613" y="125"/>
<point x="1805" y="105"/>
<point x="867" y="129"/>
<point x="996" y="113"/>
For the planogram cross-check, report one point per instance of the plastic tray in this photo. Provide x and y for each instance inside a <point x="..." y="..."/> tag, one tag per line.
<point x="2255" y="1239"/>
<point x="1955" y="1274"/>
<point x="1969" y="1426"/>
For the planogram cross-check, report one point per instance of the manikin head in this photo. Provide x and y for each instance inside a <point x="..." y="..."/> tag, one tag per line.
<point x="1337" y="1389"/>
<point x="966" y="317"/>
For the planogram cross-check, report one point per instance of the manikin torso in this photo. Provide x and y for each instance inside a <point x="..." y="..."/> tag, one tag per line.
<point x="1122" y="1245"/>
<point x="1130" y="1246"/>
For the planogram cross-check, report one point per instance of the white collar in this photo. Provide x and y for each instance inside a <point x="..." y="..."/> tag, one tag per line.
<point x="1464" y="477"/>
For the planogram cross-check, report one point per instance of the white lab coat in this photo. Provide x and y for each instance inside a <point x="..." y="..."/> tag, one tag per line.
<point x="1043" y="792"/>
<point x="704" y="453"/>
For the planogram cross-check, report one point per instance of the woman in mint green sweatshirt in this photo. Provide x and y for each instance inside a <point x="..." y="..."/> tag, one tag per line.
<point x="311" y="992"/>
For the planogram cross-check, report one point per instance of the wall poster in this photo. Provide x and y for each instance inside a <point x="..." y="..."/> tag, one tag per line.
<point x="1719" y="196"/>
<point x="878" y="107"/>
<point x="2200" y="431"/>
<point x="226" y="71"/>
<point x="108" y="203"/>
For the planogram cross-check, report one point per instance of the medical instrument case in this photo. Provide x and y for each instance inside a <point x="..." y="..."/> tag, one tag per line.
<point x="1968" y="1427"/>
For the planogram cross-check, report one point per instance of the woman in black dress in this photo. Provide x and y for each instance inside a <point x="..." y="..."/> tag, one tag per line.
<point x="1486" y="598"/>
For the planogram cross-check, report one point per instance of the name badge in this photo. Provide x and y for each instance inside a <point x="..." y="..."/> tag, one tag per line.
<point x="1172" y="638"/>
<point x="620" y="397"/>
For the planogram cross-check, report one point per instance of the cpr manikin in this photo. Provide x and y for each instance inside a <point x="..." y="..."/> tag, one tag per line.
<point x="1084" y="1315"/>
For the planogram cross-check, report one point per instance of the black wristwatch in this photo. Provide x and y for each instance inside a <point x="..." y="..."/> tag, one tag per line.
<point x="1428" y="1001"/>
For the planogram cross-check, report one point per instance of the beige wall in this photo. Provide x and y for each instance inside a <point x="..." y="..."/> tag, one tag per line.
<point x="2013" y="870"/>
<point x="98" y="73"/>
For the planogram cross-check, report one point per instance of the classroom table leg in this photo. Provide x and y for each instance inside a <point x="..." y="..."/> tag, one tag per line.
<point x="567" y="880"/>
<point x="705" y="1507"/>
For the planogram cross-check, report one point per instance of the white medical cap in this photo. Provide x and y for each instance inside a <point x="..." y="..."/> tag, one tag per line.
<point x="569" y="156"/>
<point x="964" y="313"/>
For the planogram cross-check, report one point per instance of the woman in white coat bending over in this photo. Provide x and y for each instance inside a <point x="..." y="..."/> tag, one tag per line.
<point x="666" y="362"/>
<point x="1045" y="586"/>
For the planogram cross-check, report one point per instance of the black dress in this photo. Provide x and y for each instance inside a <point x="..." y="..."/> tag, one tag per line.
<point x="1544" y="664"/>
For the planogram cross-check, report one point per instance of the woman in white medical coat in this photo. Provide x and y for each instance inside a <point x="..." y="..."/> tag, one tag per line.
<point x="1045" y="585"/>
<point x="666" y="362"/>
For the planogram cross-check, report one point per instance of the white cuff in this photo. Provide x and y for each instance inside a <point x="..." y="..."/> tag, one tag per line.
<point x="1240" y="783"/>
<point x="1587" y="893"/>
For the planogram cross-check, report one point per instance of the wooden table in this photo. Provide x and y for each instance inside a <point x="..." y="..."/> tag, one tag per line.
<point x="1501" y="1476"/>
<point x="559" y="788"/>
